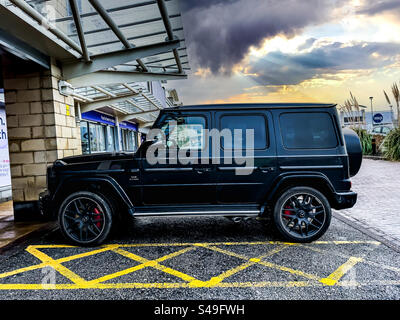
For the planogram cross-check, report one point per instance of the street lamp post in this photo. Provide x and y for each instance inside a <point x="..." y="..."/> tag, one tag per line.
<point x="372" y="112"/>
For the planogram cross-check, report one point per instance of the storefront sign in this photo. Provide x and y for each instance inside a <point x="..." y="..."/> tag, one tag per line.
<point x="107" y="119"/>
<point x="99" y="117"/>
<point x="128" y="125"/>
<point x="5" y="176"/>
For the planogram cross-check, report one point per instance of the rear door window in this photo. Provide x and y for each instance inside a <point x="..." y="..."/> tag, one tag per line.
<point x="256" y="122"/>
<point x="308" y="130"/>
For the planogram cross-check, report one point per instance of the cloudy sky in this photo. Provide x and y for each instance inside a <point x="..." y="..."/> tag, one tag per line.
<point x="290" y="50"/>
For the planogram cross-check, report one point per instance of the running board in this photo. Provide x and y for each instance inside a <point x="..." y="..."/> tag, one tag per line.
<point x="224" y="213"/>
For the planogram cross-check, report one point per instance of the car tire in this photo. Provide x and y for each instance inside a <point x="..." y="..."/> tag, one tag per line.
<point x="86" y="218"/>
<point x="304" y="220"/>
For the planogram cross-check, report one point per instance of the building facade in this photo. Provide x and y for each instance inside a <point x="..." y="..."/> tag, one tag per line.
<point x="82" y="77"/>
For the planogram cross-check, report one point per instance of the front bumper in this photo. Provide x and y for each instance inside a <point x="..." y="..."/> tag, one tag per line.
<point x="45" y="205"/>
<point x="344" y="200"/>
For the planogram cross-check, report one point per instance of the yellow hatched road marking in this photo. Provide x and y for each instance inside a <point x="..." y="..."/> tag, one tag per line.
<point x="261" y="284"/>
<point x="191" y="282"/>
<point x="146" y="263"/>
<point x="371" y="263"/>
<point x="213" y="281"/>
<point x="61" y="260"/>
<point x="269" y="264"/>
<point x="336" y="242"/>
<point x="334" y="277"/>
<point x="21" y="270"/>
<point x="56" y="266"/>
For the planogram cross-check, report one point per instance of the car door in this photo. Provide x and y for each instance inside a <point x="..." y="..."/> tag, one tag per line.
<point x="180" y="180"/>
<point x="235" y="183"/>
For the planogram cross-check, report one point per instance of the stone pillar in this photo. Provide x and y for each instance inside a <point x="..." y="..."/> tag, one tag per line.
<point x="41" y="126"/>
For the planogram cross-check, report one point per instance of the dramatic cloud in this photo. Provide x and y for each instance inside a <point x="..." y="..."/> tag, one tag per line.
<point x="220" y="33"/>
<point x="380" y="6"/>
<point x="277" y="68"/>
<point x="187" y="5"/>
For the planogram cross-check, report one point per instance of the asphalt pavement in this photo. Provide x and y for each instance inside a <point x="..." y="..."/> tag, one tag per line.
<point x="203" y="258"/>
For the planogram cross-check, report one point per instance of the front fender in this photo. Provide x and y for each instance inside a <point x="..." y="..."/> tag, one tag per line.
<point x="72" y="182"/>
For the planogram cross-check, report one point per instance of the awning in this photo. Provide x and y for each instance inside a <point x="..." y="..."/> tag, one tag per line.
<point x="106" y="48"/>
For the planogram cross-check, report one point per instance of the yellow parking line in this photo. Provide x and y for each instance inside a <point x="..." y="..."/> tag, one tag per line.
<point x="346" y="242"/>
<point x="261" y="284"/>
<point x="336" y="242"/>
<point x="87" y="254"/>
<point x="269" y="264"/>
<point x="21" y="270"/>
<point x="146" y="263"/>
<point x="191" y="282"/>
<point x="155" y="263"/>
<point x="61" y="260"/>
<point x="371" y="263"/>
<point x="334" y="277"/>
<point x="56" y="265"/>
<point x="252" y="261"/>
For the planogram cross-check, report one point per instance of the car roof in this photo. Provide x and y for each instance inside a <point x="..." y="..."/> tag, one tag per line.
<point x="242" y="106"/>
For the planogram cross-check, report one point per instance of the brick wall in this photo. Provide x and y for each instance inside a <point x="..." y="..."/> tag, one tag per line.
<point x="41" y="128"/>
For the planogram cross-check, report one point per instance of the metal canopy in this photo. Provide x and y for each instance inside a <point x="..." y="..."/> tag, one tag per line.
<point x="110" y="48"/>
<point x="129" y="101"/>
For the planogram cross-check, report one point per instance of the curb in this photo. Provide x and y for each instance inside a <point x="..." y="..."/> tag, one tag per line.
<point x="375" y="158"/>
<point x="50" y="226"/>
<point x="374" y="233"/>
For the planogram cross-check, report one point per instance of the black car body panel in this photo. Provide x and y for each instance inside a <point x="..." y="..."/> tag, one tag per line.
<point x="141" y="187"/>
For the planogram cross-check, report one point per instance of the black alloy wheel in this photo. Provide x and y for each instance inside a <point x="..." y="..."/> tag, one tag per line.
<point x="85" y="218"/>
<point x="302" y="214"/>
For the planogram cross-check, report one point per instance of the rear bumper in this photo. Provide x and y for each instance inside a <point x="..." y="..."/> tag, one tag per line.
<point x="344" y="200"/>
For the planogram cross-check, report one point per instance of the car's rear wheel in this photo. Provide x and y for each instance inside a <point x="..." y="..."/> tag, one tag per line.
<point x="85" y="218"/>
<point x="302" y="214"/>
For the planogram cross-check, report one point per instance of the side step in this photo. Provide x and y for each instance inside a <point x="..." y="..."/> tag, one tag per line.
<point x="194" y="212"/>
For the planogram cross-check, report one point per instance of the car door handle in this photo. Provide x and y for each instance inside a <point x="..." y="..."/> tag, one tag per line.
<point x="267" y="169"/>
<point x="202" y="170"/>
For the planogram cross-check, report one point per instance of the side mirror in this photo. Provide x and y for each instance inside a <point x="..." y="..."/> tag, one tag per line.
<point x="145" y="145"/>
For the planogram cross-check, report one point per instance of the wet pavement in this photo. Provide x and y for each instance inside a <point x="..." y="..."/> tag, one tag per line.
<point x="11" y="231"/>
<point x="203" y="258"/>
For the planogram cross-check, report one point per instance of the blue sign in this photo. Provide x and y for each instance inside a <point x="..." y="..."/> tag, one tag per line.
<point x="98" y="117"/>
<point x="378" y="117"/>
<point x="107" y="119"/>
<point x="128" y="125"/>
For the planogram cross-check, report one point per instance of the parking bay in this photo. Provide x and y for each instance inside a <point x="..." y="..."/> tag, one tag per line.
<point x="204" y="258"/>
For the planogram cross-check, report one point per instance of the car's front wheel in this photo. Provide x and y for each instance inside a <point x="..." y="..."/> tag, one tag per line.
<point x="85" y="218"/>
<point x="302" y="214"/>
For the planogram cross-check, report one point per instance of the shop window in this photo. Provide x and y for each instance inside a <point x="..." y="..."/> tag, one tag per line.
<point x="85" y="137"/>
<point x="110" y="139"/>
<point x="97" y="137"/>
<point x="128" y="140"/>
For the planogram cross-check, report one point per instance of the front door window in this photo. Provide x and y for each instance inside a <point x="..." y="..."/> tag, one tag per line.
<point x="185" y="132"/>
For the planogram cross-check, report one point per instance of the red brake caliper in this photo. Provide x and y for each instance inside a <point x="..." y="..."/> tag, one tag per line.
<point x="97" y="217"/>
<point x="287" y="212"/>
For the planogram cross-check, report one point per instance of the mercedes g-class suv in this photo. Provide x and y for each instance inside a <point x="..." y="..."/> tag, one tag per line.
<point x="290" y="163"/>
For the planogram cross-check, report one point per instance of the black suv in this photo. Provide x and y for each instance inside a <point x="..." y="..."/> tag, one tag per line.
<point x="294" y="169"/>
